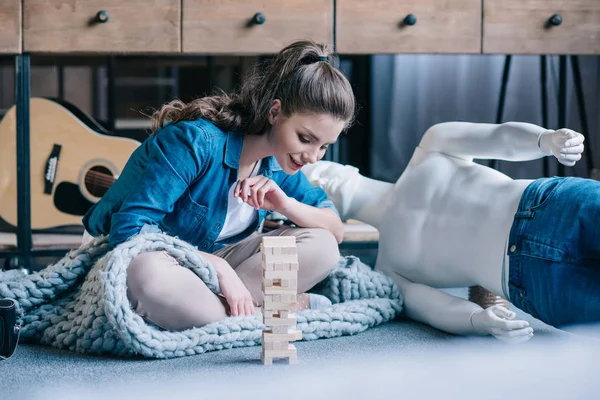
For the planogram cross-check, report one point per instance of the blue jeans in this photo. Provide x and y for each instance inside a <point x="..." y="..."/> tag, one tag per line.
<point x="554" y="251"/>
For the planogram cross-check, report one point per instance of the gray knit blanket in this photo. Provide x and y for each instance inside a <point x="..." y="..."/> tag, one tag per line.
<point x="80" y="303"/>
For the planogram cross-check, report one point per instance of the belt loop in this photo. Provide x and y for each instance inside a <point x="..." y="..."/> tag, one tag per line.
<point x="525" y="214"/>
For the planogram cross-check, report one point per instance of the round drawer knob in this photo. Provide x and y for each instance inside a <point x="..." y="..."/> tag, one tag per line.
<point x="102" y="16"/>
<point x="555" y="20"/>
<point x="259" y="18"/>
<point x="410" y="19"/>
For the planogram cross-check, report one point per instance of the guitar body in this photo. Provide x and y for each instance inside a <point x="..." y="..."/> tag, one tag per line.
<point x="72" y="164"/>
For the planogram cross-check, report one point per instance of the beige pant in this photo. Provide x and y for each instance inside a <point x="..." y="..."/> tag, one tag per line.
<point x="174" y="298"/>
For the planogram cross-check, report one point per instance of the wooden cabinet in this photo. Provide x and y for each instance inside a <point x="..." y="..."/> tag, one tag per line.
<point x="236" y="27"/>
<point x="10" y="26"/>
<point x="263" y="27"/>
<point x="528" y="27"/>
<point x="105" y="26"/>
<point x="408" y="26"/>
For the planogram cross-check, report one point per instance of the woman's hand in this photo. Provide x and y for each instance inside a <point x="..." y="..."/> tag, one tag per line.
<point x="233" y="289"/>
<point x="237" y="295"/>
<point x="261" y="192"/>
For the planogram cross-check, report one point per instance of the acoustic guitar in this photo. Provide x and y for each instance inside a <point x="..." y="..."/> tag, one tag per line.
<point x="73" y="163"/>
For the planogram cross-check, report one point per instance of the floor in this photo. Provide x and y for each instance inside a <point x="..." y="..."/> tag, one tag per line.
<point x="401" y="359"/>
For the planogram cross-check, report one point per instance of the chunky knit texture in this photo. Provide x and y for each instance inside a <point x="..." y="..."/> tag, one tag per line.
<point x="80" y="303"/>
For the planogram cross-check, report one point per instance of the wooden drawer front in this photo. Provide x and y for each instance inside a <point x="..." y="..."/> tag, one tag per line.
<point x="377" y="26"/>
<point x="522" y="27"/>
<point x="224" y="26"/>
<point x="10" y="26"/>
<point x="138" y="26"/>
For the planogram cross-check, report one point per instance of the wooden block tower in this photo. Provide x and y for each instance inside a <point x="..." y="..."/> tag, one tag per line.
<point x="280" y="277"/>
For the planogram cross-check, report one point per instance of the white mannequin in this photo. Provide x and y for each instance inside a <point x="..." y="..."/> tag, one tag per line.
<point x="446" y="221"/>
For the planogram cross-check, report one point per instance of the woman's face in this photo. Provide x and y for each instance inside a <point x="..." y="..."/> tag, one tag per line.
<point x="301" y="139"/>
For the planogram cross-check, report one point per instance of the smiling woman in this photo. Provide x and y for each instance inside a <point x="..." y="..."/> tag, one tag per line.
<point x="256" y="140"/>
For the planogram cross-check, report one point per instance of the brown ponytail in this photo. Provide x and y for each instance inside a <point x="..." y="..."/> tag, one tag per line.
<point x="300" y="76"/>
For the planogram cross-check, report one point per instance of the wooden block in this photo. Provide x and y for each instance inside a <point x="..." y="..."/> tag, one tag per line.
<point x="279" y="314"/>
<point x="268" y="297"/>
<point x="293" y="359"/>
<point x="273" y="258"/>
<point x="290" y="283"/>
<point x="266" y="250"/>
<point x="275" y="321"/>
<point x="277" y="289"/>
<point x="279" y="241"/>
<point x="280" y="330"/>
<point x="289" y="250"/>
<point x="289" y="351"/>
<point x="278" y="266"/>
<point x="265" y="360"/>
<point x="274" y="344"/>
<point x="270" y="282"/>
<point x="279" y="274"/>
<point x="287" y="297"/>
<point x="290" y="336"/>
<point x="267" y="356"/>
<point x="291" y="266"/>
<point x="270" y="346"/>
<point x="269" y="266"/>
<point x="290" y="306"/>
<point x="276" y="251"/>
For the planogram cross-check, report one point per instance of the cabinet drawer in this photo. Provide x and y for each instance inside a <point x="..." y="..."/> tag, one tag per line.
<point x="379" y="26"/>
<point x="10" y="26"/>
<point x="525" y="27"/>
<point x="227" y="26"/>
<point x="136" y="26"/>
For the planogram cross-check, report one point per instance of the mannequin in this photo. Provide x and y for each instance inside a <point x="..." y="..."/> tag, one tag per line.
<point x="447" y="221"/>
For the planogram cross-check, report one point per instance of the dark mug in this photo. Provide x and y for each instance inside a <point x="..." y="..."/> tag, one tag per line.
<point x="9" y="329"/>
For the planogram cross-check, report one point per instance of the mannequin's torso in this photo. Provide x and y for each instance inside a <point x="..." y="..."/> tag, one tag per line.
<point x="447" y="222"/>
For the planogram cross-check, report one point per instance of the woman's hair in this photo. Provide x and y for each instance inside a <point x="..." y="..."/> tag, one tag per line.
<point x="300" y="76"/>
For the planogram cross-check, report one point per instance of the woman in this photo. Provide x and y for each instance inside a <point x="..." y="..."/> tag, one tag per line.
<point x="211" y="172"/>
<point x="450" y="222"/>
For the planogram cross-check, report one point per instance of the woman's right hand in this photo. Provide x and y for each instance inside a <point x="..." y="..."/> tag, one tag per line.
<point x="233" y="289"/>
<point x="237" y="295"/>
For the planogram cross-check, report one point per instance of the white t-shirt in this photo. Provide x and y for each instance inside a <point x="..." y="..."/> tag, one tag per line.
<point x="239" y="214"/>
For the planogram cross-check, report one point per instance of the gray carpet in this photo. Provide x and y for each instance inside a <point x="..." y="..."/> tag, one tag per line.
<point x="401" y="359"/>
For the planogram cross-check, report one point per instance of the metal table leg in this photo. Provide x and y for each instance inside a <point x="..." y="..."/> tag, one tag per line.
<point x="23" y="91"/>
<point x="500" y="111"/>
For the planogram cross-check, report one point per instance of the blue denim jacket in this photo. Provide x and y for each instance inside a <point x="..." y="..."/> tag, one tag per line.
<point x="177" y="182"/>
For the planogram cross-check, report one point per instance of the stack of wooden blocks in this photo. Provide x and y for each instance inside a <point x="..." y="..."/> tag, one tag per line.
<point x="280" y="278"/>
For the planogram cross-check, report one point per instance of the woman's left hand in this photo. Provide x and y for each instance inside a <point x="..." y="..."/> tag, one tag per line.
<point x="261" y="192"/>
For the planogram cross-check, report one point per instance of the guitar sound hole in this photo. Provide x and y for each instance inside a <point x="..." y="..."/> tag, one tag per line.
<point x="97" y="180"/>
<point x="68" y="199"/>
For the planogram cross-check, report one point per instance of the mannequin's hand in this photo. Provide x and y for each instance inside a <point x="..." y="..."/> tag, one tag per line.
<point x="498" y="322"/>
<point x="261" y="192"/>
<point x="566" y="145"/>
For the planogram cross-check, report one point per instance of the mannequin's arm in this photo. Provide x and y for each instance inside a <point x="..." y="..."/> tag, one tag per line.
<point x="354" y="195"/>
<point x="436" y="308"/>
<point x="511" y="141"/>
<point x="459" y="316"/>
